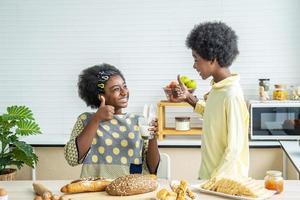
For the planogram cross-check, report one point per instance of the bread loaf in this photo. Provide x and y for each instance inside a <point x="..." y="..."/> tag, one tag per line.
<point x="78" y="186"/>
<point x="132" y="184"/>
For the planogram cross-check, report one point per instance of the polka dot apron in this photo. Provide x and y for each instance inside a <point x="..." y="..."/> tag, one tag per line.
<point x="117" y="142"/>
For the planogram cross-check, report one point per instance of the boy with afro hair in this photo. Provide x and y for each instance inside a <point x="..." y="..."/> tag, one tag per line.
<point x="224" y="144"/>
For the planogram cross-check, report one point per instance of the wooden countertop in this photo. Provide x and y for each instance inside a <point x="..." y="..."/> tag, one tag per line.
<point x="18" y="190"/>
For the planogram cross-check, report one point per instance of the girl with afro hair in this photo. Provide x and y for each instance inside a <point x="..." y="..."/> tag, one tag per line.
<point x="108" y="143"/>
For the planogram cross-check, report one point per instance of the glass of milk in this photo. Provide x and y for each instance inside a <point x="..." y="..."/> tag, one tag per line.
<point x="144" y="128"/>
<point x="149" y="114"/>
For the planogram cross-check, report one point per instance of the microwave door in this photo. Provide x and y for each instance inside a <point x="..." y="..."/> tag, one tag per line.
<point x="276" y="123"/>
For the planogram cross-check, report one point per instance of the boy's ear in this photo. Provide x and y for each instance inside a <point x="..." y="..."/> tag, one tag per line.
<point x="214" y="61"/>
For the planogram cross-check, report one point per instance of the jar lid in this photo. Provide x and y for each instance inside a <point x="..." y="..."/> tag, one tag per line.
<point x="274" y="173"/>
<point x="264" y="79"/>
<point x="182" y="118"/>
<point x="278" y="86"/>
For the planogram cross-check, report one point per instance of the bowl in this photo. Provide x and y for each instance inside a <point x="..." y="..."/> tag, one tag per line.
<point x="171" y="91"/>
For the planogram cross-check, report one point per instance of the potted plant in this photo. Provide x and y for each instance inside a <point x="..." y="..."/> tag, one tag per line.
<point x="17" y="121"/>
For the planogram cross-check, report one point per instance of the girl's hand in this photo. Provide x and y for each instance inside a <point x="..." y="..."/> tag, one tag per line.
<point x="104" y="112"/>
<point x="153" y="127"/>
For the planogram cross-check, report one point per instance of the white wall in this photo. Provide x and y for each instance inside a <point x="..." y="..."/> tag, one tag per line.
<point x="45" y="44"/>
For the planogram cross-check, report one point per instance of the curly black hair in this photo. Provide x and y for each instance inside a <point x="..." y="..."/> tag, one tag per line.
<point x="214" y="40"/>
<point x="88" y="81"/>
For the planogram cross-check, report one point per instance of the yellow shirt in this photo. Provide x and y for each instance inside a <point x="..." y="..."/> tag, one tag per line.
<point x="225" y="148"/>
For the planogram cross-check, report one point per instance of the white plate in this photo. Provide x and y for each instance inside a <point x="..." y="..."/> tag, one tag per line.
<point x="267" y="194"/>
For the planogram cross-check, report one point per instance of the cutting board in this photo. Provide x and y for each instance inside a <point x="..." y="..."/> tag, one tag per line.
<point x="104" y="195"/>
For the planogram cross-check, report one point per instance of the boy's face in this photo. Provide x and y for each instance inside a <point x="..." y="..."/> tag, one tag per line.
<point x="116" y="92"/>
<point x="204" y="67"/>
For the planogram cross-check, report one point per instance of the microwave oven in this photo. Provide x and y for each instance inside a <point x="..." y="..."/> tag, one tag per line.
<point x="274" y="120"/>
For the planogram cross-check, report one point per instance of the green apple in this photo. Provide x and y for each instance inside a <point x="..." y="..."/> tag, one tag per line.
<point x="184" y="79"/>
<point x="192" y="84"/>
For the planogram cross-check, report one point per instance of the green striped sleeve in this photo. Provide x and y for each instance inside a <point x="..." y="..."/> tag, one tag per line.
<point x="70" y="150"/>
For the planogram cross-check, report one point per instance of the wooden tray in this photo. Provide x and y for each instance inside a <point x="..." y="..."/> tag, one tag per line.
<point x="104" y="195"/>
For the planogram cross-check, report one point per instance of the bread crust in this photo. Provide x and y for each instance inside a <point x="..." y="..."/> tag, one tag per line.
<point x="79" y="186"/>
<point x="132" y="184"/>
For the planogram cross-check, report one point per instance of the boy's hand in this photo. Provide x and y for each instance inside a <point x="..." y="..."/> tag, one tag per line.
<point x="181" y="92"/>
<point x="104" y="112"/>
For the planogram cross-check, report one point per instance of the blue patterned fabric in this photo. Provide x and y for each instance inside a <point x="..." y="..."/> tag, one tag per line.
<point x="117" y="142"/>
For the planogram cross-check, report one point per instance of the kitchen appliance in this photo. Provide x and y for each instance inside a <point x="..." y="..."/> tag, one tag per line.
<point x="274" y="120"/>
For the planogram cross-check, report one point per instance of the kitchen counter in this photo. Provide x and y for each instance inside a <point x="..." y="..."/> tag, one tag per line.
<point x="292" y="152"/>
<point x="194" y="141"/>
<point x="169" y="141"/>
<point x="18" y="190"/>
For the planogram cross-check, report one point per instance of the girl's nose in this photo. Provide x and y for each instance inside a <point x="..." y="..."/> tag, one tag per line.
<point x="124" y="91"/>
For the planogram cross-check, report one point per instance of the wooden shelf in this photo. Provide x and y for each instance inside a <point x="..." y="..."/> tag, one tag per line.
<point x="172" y="131"/>
<point x="163" y="130"/>
<point x="168" y="103"/>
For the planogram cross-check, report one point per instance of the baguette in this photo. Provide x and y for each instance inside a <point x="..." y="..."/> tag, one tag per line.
<point x="132" y="184"/>
<point x="96" y="185"/>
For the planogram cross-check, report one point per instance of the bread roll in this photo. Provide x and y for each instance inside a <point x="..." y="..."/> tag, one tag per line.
<point x="85" y="186"/>
<point x="40" y="189"/>
<point x="132" y="184"/>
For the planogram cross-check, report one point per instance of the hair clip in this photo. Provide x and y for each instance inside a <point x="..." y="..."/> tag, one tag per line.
<point x="105" y="78"/>
<point x="100" y="85"/>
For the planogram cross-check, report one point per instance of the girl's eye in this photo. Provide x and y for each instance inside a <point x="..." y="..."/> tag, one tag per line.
<point x="116" y="89"/>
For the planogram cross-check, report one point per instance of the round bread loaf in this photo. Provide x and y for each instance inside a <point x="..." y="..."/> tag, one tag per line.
<point x="132" y="184"/>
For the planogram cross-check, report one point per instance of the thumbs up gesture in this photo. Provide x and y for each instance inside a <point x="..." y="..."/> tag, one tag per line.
<point x="104" y="112"/>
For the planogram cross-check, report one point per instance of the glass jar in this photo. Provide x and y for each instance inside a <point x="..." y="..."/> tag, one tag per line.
<point x="265" y="82"/>
<point x="294" y="93"/>
<point x="280" y="92"/>
<point x="274" y="181"/>
<point x="182" y="123"/>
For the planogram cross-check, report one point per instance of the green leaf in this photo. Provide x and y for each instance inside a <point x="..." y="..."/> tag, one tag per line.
<point x="18" y="113"/>
<point x="18" y="121"/>
<point x="23" y="152"/>
<point x="27" y="128"/>
<point x="6" y="160"/>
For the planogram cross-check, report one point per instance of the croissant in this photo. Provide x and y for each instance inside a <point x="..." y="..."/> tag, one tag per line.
<point x="78" y="186"/>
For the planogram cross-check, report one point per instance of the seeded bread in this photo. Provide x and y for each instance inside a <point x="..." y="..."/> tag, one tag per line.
<point x="132" y="184"/>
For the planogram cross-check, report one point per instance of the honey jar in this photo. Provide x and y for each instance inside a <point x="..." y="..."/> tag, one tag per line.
<point x="280" y="92"/>
<point x="274" y="181"/>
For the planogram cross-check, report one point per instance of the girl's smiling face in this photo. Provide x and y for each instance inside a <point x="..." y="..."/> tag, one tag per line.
<point x="116" y="92"/>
